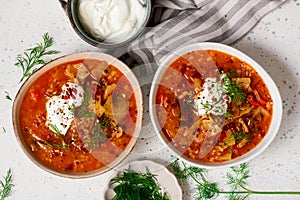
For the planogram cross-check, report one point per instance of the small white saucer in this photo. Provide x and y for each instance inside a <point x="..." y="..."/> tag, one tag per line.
<point x="166" y="180"/>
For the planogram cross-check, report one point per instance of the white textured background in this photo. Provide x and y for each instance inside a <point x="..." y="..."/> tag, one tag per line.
<point x="274" y="43"/>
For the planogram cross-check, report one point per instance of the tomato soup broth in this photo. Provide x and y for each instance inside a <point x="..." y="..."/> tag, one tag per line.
<point x="212" y="107"/>
<point x="78" y="116"/>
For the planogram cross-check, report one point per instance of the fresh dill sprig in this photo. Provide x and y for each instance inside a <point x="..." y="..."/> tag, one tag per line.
<point x="236" y="179"/>
<point x="55" y="130"/>
<point x="205" y="189"/>
<point x="32" y="57"/>
<point x="97" y="139"/>
<point x="233" y="90"/>
<point x="239" y="176"/>
<point x="239" y="136"/>
<point x="8" y="96"/>
<point x="137" y="185"/>
<point x="207" y="106"/>
<point x="225" y="86"/>
<point x="83" y="110"/>
<point x="6" y="185"/>
<point x="104" y="122"/>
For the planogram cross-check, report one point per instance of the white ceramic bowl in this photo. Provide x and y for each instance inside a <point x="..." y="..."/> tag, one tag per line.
<point x="277" y="103"/>
<point x="78" y="56"/>
<point x="165" y="179"/>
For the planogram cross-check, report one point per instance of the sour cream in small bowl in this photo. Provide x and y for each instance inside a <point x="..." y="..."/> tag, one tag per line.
<point x="109" y="23"/>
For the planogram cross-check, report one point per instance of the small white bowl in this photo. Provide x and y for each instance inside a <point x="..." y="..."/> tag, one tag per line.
<point x="165" y="179"/>
<point x="73" y="57"/>
<point x="273" y="90"/>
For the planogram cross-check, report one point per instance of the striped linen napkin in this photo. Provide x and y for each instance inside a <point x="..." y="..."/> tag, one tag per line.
<point x="179" y="22"/>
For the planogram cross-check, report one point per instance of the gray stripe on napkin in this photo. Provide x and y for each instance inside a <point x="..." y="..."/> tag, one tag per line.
<point x="217" y="21"/>
<point x="182" y="4"/>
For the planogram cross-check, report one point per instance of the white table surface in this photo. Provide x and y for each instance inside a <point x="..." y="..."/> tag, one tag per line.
<point x="274" y="43"/>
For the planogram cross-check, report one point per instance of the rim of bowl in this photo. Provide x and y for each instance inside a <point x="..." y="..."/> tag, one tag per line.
<point x="274" y="92"/>
<point x="75" y="22"/>
<point x="68" y="58"/>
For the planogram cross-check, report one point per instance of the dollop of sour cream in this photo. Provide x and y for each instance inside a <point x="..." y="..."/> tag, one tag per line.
<point x="212" y="99"/>
<point x="60" y="109"/>
<point x="111" y="20"/>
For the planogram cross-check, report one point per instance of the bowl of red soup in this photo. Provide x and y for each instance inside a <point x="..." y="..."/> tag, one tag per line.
<point x="214" y="106"/>
<point x="79" y="115"/>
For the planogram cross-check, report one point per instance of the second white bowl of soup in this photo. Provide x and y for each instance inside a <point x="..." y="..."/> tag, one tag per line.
<point x="214" y="106"/>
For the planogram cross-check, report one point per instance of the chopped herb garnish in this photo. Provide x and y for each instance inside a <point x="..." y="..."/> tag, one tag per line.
<point x="206" y="106"/>
<point x="86" y="114"/>
<point x="230" y="140"/>
<point x="239" y="136"/>
<point x="233" y="90"/>
<point x="185" y="116"/>
<point x="6" y="185"/>
<point x="3" y="129"/>
<point x="97" y="138"/>
<point x="55" y="130"/>
<point x="229" y="115"/>
<point x="8" y="96"/>
<point x="230" y="74"/>
<point x="58" y="145"/>
<point x="221" y="91"/>
<point x="104" y="122"/>
<point x="87" y="96"/>
<point x="137" y="185"/>
<point x="33" y="56"/>
<point x="83" y="110"/>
